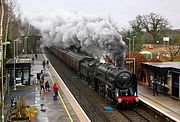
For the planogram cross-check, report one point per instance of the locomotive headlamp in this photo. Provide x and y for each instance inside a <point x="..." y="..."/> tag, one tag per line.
<point x="119" y="100"/>
<point x="137" y="99"/>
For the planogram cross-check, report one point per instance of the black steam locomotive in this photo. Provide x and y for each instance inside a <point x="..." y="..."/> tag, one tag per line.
<point x="112" y="82"/>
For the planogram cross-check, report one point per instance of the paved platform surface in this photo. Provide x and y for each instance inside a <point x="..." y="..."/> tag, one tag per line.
<point x="55" y="110"/>
<point x="163" y="103"/>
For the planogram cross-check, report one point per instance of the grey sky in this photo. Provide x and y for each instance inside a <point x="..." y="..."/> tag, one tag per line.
<point x="121" y="10"/>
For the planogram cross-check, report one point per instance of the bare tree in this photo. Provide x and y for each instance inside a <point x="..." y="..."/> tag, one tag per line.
<point x="136" y="25"/>
<point x="1" y="21"/>
<point x="11" y="11"/>
<point x="25" y="26"/>
<point x="173" y="52"/>
<point x="29" y="29"/>
<point x="11" y="8"/>
<point x="153" y="24"/>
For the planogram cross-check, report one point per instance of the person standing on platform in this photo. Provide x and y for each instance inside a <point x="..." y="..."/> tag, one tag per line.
<point x="36" y="56"/>
<point x="33" y="60"/>
<point x="42" y="86"/>
<point x="41" y="72"/>
<point x="44" y="64"/>
<point x="55" y="89"/>
<point x="155" y="87"/>
<point x="38" y="77"/>
<point x="47" y="86"/>
<point x="47" y="63"/>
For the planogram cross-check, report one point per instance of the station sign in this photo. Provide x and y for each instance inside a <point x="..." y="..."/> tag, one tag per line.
<point x="129" y="64"/>
<point x="129" y="61"/>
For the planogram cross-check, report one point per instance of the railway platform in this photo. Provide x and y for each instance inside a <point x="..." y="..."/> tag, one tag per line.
<point x="64" y="109"/>
<point x="162" y="103"/>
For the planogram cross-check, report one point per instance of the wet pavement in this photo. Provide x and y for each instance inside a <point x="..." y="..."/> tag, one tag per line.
<point x="54" y="110"/>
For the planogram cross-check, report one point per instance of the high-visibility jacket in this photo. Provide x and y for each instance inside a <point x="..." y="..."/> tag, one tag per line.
<point x="55" y="87"/>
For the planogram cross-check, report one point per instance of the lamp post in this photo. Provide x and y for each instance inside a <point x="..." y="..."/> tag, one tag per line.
<point x="15" y="64"/>
<point x="2" y="92"/>
<point x="25" y="44"/>
<point x="129" y="45"/>
<point x="133" y="42"/>
<point x="129" y="50"/>
<point x="158" y="54"/>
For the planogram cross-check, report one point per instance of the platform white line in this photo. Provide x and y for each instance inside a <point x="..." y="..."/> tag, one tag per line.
<point x="168" y="115"/>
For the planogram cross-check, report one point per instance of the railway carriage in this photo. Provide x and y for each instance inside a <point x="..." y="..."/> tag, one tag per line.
<point x="73" y="60"/>
<point x="61" y="54"/>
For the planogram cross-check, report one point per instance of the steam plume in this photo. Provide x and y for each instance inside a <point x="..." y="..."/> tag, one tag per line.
<point x="96" y="35"/>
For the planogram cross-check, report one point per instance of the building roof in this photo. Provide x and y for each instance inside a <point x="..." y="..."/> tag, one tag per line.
<point x="10" y="61"/>
<point x="19" y="63"/>
<point x="145" y="52"/>
<point x="175" y="65"/>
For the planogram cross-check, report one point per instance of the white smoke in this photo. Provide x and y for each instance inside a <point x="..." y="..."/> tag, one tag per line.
<point x="96" y="35"/>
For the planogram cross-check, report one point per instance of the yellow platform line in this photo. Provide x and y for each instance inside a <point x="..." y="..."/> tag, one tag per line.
<point x="59" y="95"/>
<point x="64" y="105"/>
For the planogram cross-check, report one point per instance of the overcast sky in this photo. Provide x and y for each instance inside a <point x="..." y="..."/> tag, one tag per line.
<point x="121" y="10"/>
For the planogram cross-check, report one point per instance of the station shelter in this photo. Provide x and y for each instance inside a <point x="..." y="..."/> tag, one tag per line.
<point x="167" y="74"/>
<point x="22" y="71"/>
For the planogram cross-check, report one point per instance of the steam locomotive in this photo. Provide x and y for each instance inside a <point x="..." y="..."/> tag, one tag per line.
<point x="114" y="83"/>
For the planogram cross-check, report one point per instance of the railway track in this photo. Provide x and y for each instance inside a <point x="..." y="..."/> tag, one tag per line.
<point x="133" y="115"/>
<point x="91" y="101"/>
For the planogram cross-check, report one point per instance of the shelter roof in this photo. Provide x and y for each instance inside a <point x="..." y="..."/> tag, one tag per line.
<point x="175" y="65"/>
<point x="19" y="63"/>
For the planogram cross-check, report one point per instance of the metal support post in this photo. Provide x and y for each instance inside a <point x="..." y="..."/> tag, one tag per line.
<point x="2" y="79"/>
